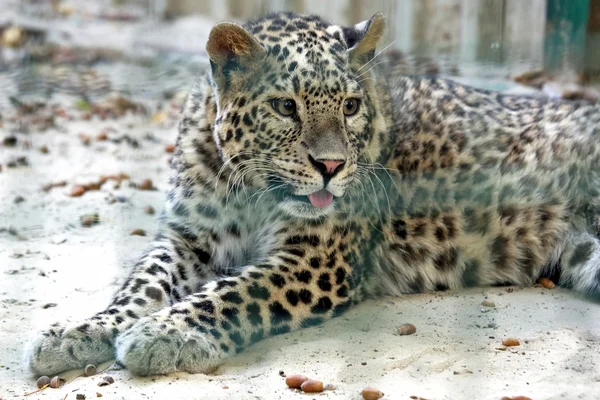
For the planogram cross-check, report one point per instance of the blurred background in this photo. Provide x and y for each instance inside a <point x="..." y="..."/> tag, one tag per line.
<point x="549" y="45"/>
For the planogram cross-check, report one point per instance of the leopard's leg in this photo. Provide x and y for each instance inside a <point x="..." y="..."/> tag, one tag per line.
<point x="580" y="264"/>
<point x="168" y="272"/>
<point x="289" y="291"/>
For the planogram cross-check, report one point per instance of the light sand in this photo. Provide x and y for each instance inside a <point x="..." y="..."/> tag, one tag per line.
<point x="453" y="355"/>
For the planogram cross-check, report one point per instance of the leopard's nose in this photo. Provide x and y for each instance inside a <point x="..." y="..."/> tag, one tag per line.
<point x="332" y="165"/>
<point x="327" y="168"/>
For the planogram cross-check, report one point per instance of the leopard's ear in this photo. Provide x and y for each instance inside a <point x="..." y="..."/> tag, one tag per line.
<point x="231" y="46"/>
<point x="362" y="39"/>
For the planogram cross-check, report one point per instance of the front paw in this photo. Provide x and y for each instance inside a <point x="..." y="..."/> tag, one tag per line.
<point x="155" y="347"/>
<point x="61" y="348"/>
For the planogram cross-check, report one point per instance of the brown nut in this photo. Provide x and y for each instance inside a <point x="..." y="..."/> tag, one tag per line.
<point x="43" y="381"/>
<point x="370" y="393"/>
<point x="109" y="379"/>
<point x="138" y="232"/>
<point x="85" y="139"/>
<point x="312" y="386"/>
<point x="146" y="184"/>
<point x="90" y="370"/>
<point x="102" y="136"/>
<point x="515" y="398"/>
<point x="510" y="342"/>
<point x="406" y="329"/>
<point x="295" y="381"/>
<point x="169" y="148"/>
<point x="56" y="382"/>
<point x="149" y="210"/>
<point x="77" y="190"/>
<point x="547" y="283"/>
<point x="80" y="396"/>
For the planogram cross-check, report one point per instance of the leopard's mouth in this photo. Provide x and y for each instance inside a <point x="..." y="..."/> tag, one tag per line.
<point x="319" y="199"/>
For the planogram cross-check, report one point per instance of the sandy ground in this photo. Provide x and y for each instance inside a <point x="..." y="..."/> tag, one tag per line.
<point x="52" y="268"/>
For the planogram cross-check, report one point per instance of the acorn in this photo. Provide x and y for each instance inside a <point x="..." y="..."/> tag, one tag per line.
<point x="90" y="370"/>
<point x="56" y="382"/>
<point x="43" y="381"/>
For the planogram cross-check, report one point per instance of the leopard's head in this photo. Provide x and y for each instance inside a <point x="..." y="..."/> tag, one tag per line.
<point x="296" y="105"/>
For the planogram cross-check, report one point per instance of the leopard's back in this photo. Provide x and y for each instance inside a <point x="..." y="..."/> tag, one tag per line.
<point x="488" y="187"/>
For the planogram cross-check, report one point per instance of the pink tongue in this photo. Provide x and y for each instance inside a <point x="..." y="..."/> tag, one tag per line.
<point x="322" y="198"/>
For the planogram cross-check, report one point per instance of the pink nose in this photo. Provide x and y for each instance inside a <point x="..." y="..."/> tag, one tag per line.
<point x="331" y="165"/>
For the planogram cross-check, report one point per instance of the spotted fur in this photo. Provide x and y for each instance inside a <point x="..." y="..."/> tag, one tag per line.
<point x="437" y="186"/>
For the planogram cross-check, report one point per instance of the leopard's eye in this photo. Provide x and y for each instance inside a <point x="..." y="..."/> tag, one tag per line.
<point x="351" y="107"/>
<point x="285" y="107"/>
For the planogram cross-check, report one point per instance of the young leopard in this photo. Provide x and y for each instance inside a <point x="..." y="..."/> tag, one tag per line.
<point x="306" y="179"/>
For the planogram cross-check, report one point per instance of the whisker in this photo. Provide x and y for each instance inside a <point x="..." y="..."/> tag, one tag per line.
<point x="378" y="53"/>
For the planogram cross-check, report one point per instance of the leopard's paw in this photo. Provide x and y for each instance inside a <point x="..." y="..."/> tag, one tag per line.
<point x="152" y="347"/>
<point x="62" y="348"/>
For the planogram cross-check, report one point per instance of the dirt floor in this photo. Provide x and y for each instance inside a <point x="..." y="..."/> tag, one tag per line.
<point x="53" y="268"/>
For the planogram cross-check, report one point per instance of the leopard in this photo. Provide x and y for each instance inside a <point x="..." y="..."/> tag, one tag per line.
<point x="309" y="175"/>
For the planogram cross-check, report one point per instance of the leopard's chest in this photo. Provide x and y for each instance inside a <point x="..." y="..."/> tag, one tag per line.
<point x="245" y="242"/>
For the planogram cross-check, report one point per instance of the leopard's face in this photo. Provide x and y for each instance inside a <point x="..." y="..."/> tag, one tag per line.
<point x="295" y="120"/>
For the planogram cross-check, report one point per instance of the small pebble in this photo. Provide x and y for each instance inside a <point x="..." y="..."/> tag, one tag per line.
<point x="149" y="210"/>
<point x="10" y="141"/>
<point x="330" y="386"/>
<point x="488" y="303"/>
<point x="90" y="370"/>
<point x="109" y="379"/>
<point x="462" y="372"/>
<point x="169" y="148"/>
<point x="370" y="393"/>
<point x="89" y="220"/>
<point x="312" y="386"/>
<point x="43" y="381"/>
<point x="406" y="329"/>
<point x="138" y="232"/>
<point x="19" y="199"/>
<point x="295" y="381"/>
<point x="44" y="149"/>
<point x="80" y="396"/>
<point x="510" y="342"/>
<point x="281" y="373"/>
<point x="98" y="394"/>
